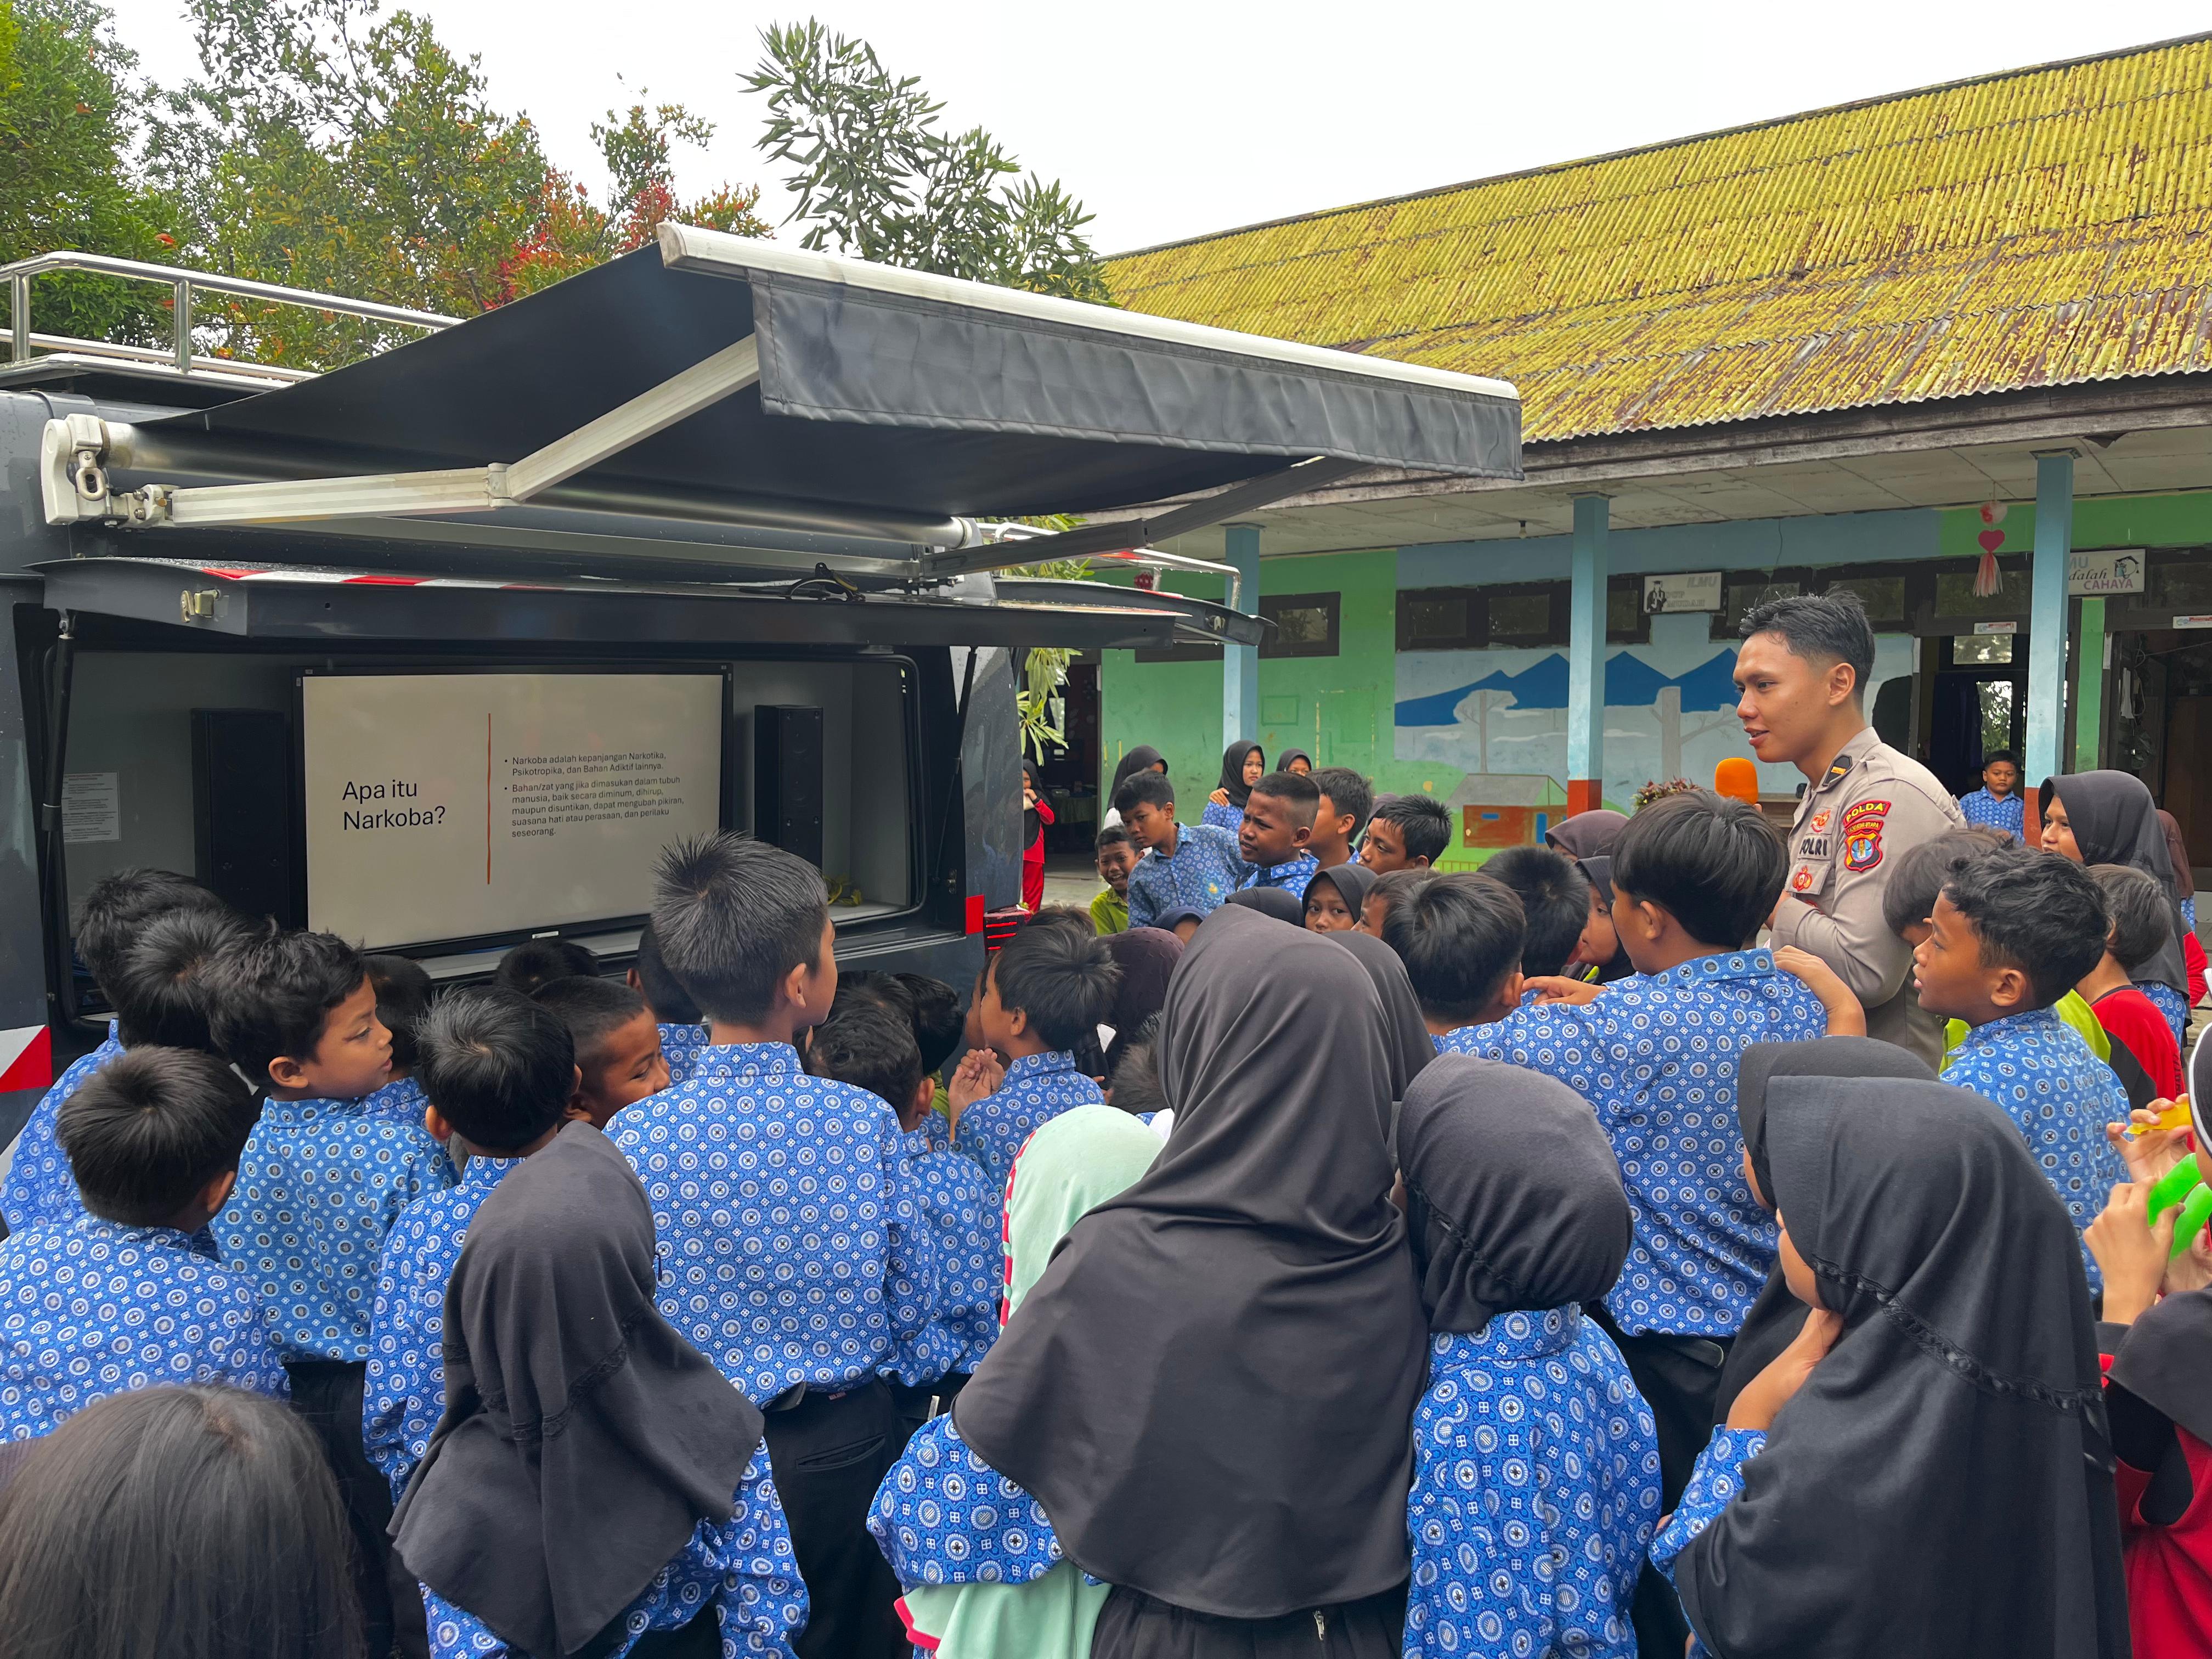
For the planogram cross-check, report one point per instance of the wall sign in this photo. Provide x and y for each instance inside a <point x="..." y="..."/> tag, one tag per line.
<point x="1699" y="590"/>
<point x="2112" y="570"/>
<point x="1997" y="627"/>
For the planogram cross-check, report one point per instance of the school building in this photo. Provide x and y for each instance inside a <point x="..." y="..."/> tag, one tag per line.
<point x="1951" y="349"/>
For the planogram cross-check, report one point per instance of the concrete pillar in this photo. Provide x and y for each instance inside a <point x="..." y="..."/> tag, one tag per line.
<point x="2047" y="621"/>
<point x="1240" y="664"/>
<point x="1586" y="657"/>
<point x="2089" y="687"/>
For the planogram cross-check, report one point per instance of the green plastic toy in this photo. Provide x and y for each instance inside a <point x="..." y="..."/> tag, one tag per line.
<point x="2183" y="1185"/>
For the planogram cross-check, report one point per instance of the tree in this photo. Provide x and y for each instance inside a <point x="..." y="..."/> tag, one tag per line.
<point x="878" y="177"/>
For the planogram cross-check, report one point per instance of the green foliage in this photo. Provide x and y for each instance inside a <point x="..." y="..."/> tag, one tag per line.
<point x="878" y="177"/>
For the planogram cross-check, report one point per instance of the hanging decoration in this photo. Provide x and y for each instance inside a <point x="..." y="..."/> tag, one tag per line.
<point x="1989" y="580"/>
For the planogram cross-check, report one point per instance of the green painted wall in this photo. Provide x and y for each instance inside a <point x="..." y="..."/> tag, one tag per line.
<point x="2102" y="521"/>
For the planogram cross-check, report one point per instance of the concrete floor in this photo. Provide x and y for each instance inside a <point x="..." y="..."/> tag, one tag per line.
<point x="1071" y="878"/>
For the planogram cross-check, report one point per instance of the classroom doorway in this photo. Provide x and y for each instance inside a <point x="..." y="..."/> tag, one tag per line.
<point x="1979" y="705"/>
<point x="1071" y="771"/>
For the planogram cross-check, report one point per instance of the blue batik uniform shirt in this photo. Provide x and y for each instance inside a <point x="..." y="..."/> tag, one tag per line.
<point x="789" y="1249"/>
<point x="1292" y="875"/>
<point x="320" y="1184"/>
<point x="1535" y="1490"/>
<point x="40" y="1185"/>
<point x="1987" y="811"/>
<point x="2053" y="1086"/>
<point x="1036" y="1089"/>
<point x="1206" y="868"/>
<point x="1655" y="1056"/>
<point x="962" y="1211"/>
<point x="680" y="1047"/>
<point x="91" y="1308"/>
<point x="1222" y="816"/>
<point x="400" y="1100"/>
<point x="403" y="1392"/>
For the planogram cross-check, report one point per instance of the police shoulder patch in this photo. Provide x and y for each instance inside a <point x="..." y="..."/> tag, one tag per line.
<point x="1861" y="834"/>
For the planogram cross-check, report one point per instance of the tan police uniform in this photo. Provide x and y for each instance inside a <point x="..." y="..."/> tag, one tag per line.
<point x="1871" y="805"/>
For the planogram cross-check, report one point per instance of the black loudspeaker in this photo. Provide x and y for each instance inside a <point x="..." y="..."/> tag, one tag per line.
<point x="243" y="808"/>
<point x="787" y="778"/>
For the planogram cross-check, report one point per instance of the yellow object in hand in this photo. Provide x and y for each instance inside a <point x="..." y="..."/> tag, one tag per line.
<point x="2176" y="1116"/>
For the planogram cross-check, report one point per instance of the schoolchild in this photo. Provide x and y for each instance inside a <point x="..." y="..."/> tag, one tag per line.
<point x="1461" y="937"/>
<point x="118" y="1297"/>
<point x="938" y="1019"/>
<point x="2010" y="932"/>
<point x="1336" y="898"/>
<point x="2108" y="818"/>
<point x="618" y="1045"/>
<point x="1347" y="801"/>
<point x="683" y="1027"/>
<point x="403" y="995"/>
<point x="803" y="1321"/>
<point x="1244" y="763"/>
<point x="1997" y="804"/>
<point x="873" y="1047"/>
<point x="319" y="1186"/>
<point x="1555" y="897"/>
<point x="1044" y="992"/>
<point x="1389" y="888"/>
<point x="1535" y="1461"/>
<point x="538" y="961"/>
<point x="1279" y="822"/>
<point x="595" y="1487"/>
<point x="2144" y="1052"/>
<point x="1191" y="867"/>
<point x="114" y="913"/>
<point x="1404" y="832"/>
<point x="500" y="1072"/>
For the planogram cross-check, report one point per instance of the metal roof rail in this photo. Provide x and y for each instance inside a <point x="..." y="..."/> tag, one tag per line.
<point x="179" y="358"/>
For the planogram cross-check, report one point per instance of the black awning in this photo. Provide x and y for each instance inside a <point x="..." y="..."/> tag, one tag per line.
<point x="298" y="603"/>
<point x="878" y="388"/>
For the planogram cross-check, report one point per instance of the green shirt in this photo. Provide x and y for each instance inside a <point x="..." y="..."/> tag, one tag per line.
<point x="1109" y="912"/>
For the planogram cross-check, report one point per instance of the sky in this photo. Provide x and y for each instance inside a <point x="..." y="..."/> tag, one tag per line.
<point x="1178" y="119"/>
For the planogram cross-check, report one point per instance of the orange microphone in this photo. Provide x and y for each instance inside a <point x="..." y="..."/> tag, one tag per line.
<point x="1737" y="778"/>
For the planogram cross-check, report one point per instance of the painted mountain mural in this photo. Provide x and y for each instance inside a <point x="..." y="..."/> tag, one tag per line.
<point x="1629" y="683"/>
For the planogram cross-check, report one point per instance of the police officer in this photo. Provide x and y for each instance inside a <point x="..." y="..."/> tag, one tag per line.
<point x="1802" y="669"/>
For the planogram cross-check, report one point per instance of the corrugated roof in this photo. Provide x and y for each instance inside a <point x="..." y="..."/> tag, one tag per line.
<point x="2036" y="227"/>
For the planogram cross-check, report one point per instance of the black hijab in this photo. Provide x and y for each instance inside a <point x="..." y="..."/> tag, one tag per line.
<point x="1233" y="771"/>
<point x="2115" y="822"/>
<point x="1212" y="1389"/>
<point x="1588" y="835"/>
<point x="1276" y="903"/>
<point x="1032" y="825"/>
<point x="2177" y="855"/>
<point x="1142" y="759"/>
<point x="1513" y="1194"/>
<point x="1353" y="883"/>
<point x="583" y="1438"/>
<point x="1941" y="1484"/>
<point x="1776" y="1316"/>
<point x="1283" y="760"/>
<point x="1412" y="1047"/>
<point x="1147" y="958"/>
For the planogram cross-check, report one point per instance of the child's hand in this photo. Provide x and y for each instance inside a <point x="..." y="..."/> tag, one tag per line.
<point x="1845" y="1017"/>
<point x="1558" y="987"/>
<point x="978" y="1075"/>
<point x="2151" y="1152"/>
<point x="1029" y="795"/>
<point x="2132" y="1253"/>
<point x="2192" y="1269"/>
<point x="1220" y="798"/>
<point x="1774" y="1387"/>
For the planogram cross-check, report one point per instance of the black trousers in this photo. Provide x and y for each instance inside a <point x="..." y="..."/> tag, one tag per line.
<point x="1679" y="1378"/>
<point x="327" y="1396"/>
<point x="1134" y="1625"/>
<point x="913" y="1404"/>
<point x="828" y="1456"/>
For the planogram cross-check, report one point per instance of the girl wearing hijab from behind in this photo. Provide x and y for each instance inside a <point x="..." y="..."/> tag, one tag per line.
<point x="1536" y="1462"/>
<point x="2108" y="818"/>
<point x="595" y="1489"/>
<point x="1208" y="1393"/>
<point x="1242" y="765"/>
<point x="1924" y="1470"/>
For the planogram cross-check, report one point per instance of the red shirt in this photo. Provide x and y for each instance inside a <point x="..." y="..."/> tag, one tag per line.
<point x="2130" y="1017"/>
<point x="2169" y="1568"/>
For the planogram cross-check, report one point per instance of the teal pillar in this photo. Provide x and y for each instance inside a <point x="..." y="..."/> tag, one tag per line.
<point x="2046" y="620"/>
<point x="1586" y="657"/>
<point x="1240" y="664"/>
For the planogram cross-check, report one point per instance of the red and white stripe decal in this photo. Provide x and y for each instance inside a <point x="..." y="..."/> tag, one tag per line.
<point x="27" y="1058"/>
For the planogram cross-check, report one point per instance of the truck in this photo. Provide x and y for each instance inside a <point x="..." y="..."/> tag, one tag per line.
<point x="436" y="650"/>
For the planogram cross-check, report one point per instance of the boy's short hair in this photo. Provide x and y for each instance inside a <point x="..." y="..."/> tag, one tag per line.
<point x="403" y="995"/>
<point x="1135" y="1083"/>
<point x="1112" y="836"/>
<point x="1554" y="902"/>
<point x="151" y="1128"/>
<point x="159" y="989"/>
<point x="1996" y="755"/>
<point x="1347" y="791"/>
<point x="1063" y="979"/>
<point x="1421" y="820"/>
<point x="871" y="1046"/>
<point x="670" y="1003"/>
<point x="940" y="1022"/>
<point x="116" y="909"/>
<point x="1459" y="937"/>
<point x="1147" y="788"/>
<point x="1829" y="627"/>
<point x="1712" y="862"/>
<point x="270" y="989"/>
<point x="2037" y="912"/>
<point x="540" y="962"/>
<point x="2141" y="920"/>
<point x="498" y="1067"/>
<point x="1394" y="885"/>
<point x="733" y="916"/>
<point x="1921" y="871"/>
<point x="1296" y="790"/>
<point x="592" y="1009"/>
